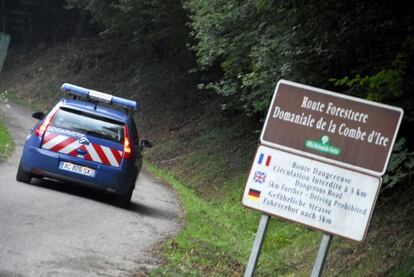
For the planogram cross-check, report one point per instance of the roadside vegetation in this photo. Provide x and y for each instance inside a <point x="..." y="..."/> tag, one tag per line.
<point x="239" y="50"/>
<point x="218" y="235"/>
<point x="6" y="142"/>
<point x="203" y="109"/>
<point x="205" y="154"/>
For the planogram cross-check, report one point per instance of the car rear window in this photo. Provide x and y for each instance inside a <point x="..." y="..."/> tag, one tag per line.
<point x="89" y="124"/>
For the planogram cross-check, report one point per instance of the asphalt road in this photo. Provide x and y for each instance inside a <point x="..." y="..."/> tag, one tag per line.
<point x="54" y="229"/>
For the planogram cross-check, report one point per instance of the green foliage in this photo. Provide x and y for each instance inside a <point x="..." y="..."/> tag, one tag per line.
<point x="392" y="85"/>
<point x="247" y="46"/>
<point x="217" y="239"/>
<point x="406" y="269"/>
<point x="244" y="47"/>
<point x="400" y="167"/>
<point x="151" y="26"/>
<point x="233" y="40"/>
<point x="382" y="86"/>
<point x="6" y="142"/>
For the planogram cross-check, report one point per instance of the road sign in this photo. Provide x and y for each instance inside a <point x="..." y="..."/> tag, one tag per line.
<point x="331" y="127"/>
<point x="322" y="196"/>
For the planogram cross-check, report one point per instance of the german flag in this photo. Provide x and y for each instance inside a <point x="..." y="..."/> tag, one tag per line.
<point x="254" y="195"/>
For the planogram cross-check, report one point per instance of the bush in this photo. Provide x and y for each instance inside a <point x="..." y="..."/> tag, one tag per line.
<point x="153" y="27"/>
<point x="245" y="47"/>
<point x="400" y="167"/>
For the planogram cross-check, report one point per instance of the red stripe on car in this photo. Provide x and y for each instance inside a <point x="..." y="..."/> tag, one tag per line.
<point x="101" y="154"/>
<point x="63" y="144"/>
<point x="117" y="155"/>
<point x="49" y="136"/>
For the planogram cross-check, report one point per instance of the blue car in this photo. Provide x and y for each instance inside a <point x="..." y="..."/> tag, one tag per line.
<point x="89" y="138"/>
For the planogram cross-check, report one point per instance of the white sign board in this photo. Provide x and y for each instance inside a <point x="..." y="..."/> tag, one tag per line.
<point x="322" y="196"/>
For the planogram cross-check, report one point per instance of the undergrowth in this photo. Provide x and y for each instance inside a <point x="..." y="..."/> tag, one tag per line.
<point x="6" y="142"/>
<point x="13" y="97"/>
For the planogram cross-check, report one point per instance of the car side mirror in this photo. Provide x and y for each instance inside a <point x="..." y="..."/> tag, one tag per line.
<point x="145" y="144"/>
<point x="38" y="115"/>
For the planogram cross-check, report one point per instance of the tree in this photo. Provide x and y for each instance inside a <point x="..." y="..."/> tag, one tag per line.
<point x="151" y="26"/>
<point x="247" y="46"/>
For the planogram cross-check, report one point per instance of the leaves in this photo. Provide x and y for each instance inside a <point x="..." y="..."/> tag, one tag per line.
<point x="243" y="48"/>
<point x="400" y="167"/>
<point x="247" y="46"/>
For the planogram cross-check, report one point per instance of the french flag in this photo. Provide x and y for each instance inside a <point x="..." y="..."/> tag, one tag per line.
<point x="263" y="160"/>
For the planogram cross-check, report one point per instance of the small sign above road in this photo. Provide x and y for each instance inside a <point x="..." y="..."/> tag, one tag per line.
<point x="332" y="127"/>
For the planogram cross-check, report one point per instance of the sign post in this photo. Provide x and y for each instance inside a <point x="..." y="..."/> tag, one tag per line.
<point x="319" y="163"/>
<point x="257" y="245"/>
<point x="321" y="257"/>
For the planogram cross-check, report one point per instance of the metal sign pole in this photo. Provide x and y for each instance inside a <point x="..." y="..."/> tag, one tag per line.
<point x="321" y="257"/>
<point x="257" y="245"/>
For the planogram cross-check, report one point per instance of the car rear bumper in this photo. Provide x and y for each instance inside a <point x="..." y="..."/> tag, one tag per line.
<point x="46" y="163"/>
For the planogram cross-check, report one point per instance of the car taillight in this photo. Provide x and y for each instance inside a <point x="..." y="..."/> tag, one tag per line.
<point x="127" y="144"/>
<point x="40" y="131"/>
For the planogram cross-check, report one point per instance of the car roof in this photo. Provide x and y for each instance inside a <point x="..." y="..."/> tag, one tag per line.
<point x="95" y="108"/>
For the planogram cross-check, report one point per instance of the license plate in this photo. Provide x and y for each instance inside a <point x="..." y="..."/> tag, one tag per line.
<point x="77" y="169"/>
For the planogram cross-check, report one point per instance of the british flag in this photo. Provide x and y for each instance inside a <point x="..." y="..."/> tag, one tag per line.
<point x="259" y="177"/>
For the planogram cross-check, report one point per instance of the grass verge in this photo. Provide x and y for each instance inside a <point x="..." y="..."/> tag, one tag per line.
<point x="218" y="236"/>
<point x="12" y="97"/>
<point x="406" y="269"/>
<point x="6" y="142"/>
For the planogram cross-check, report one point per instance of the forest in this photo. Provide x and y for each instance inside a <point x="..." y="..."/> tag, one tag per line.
<point x="241" y="48"/>
<point x="227" y="57"/>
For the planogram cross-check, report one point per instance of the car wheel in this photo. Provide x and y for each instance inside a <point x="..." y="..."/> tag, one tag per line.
<point x="124" y="200"/>
<point x="23" y="175"/>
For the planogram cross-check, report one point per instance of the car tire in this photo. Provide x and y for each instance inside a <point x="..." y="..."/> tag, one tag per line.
<point x="23" y="175"/>
<point x="124" y="200"/>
